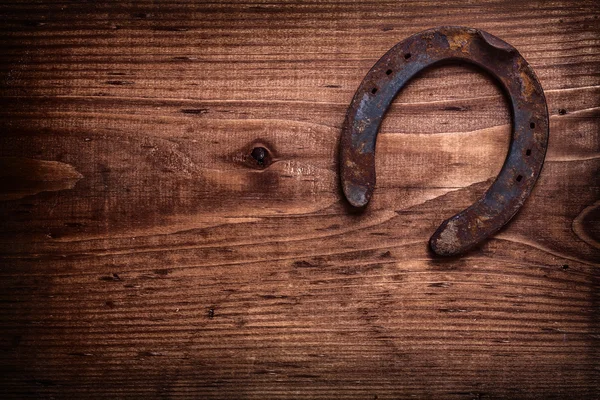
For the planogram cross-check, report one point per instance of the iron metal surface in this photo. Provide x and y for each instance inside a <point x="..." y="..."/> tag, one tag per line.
<point x="528" y="144"/>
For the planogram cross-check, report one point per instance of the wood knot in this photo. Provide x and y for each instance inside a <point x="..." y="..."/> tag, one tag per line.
<point x="258" y="155"/>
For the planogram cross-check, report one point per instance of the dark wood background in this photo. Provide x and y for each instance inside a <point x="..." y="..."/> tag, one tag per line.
<point x="144" y="254"/>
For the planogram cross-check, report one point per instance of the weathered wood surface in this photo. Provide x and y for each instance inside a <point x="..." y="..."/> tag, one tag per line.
<point x="143" y="254"/>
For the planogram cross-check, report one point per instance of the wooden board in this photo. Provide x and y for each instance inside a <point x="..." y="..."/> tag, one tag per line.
<point x="143" y="254"/>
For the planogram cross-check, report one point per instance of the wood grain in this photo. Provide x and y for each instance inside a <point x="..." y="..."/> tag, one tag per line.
<point x="143" y="253"/>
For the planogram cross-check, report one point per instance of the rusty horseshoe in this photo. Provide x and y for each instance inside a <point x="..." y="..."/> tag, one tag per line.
<point x="527" y="148"/>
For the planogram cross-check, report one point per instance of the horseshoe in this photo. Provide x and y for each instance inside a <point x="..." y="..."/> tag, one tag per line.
<point x="528" y="144"/>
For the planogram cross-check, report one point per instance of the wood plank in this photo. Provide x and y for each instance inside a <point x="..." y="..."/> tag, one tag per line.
<point x="144" y="253"/>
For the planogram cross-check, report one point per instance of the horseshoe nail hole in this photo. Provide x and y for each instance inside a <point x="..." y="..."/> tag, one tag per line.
<point x="562" y="111"/>
<point x="565" y="266"/>
<point x="532" y="125"/>
<point x="519" y="178"/>
<point x="407" y="56"/>
<point x="374" y="90"/>
<point x="388" y="72"/>
<point x="528" y="152"/>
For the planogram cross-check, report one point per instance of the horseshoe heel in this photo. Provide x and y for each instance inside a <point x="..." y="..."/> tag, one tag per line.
<point x="529" y="131"/>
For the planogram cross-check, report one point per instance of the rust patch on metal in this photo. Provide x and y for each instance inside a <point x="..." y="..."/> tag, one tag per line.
<point x="529" y="135"/>
<point x="458" y="40"/>
<point x="528" y="85"/>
